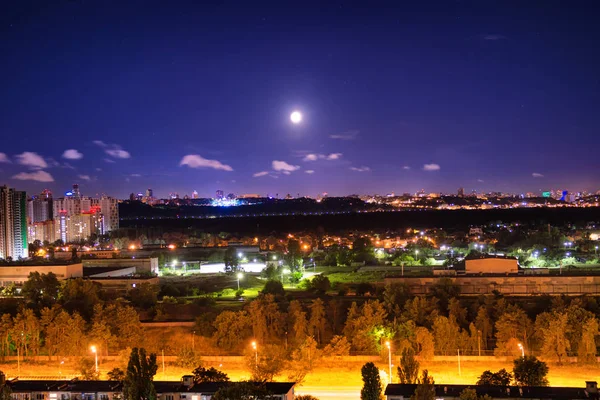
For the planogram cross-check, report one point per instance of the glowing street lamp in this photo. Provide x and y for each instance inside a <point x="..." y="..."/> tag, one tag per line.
<point x="522" y="350"/>
<point x="391" y="379"/>
<point x="95" y="351"/>
<point x="239" y="276"/>
<point x="255" y="355"/>
<point x="284" y="272"/>
<point x="596" y="250"/>
<point x="240" y="255"/>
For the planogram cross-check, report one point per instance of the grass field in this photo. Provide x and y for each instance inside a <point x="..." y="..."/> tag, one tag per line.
<point x="338" y="374"/>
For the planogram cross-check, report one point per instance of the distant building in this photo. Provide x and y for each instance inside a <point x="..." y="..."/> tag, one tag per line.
<point x="109" y="207"/>
<point x="219" y="194"/>
<point x="13" y="224"/>
<point x="18" y="275"/>
<point x="75" y="191"/>
<point x="399" y="391"/>
<point x="249" y="196"/>
<point x="492" y="265"/>
<point x="149" y="193"/>
<point x="461" y="192"/>
<point x="39" y="208"/>
<point x="194" y="194"/>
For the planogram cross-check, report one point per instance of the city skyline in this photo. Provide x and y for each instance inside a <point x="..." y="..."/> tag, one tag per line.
<point x="476" y="96"/>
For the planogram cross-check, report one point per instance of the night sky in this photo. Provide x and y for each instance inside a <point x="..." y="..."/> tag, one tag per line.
<point x="121" y="96"/>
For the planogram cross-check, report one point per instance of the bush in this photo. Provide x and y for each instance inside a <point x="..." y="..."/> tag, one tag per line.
<point x="273" y="287"/>
<point x="364" y="288"/>
<point x="529" y="371"/>
<point x="239" y="293"/>
<point x="320" y="284"/>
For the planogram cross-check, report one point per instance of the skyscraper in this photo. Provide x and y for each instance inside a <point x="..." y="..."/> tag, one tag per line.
<point x="13" y="224"/>
<point x="149" y="193"/>
<point x="461" y="192"/>
<point x="220" y="194"/>
<point x="76" y="193"/>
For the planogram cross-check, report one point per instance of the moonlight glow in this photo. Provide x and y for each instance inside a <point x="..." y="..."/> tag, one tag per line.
<point x="296" y="117"/>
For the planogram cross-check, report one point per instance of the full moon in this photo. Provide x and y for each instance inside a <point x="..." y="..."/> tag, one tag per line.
<point x="296" y="117"/>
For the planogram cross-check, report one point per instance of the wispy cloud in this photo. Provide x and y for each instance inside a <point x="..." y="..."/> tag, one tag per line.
<point x="135" y="175"/>
<point x="328" y="157"/>
<point x="431" y="167"/>
<point x="39" y="176"/>
<point x="360" y="169"/>
<point x="113" y="150"/>
<point x="284" y="167"/>
<point x="72" y="154"/>
<point x="85" y="177"/>
<point x="348" y="135"/>
<point x="309" y="171"/>
<point x="98" y="169"/>
<point x="406" y="167"/>
<point x="259" y="174"/>
<point x="197" y="161"/>
<point x="4" y="158"/>
<point x="537" y="175"/>
<point x="108" y="160"/>
<point x="480" y="180"/>
<point x="32" y="160"/>
<point x="493" y="36"/>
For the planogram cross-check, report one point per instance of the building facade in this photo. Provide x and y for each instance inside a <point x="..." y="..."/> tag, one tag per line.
<point x="13" y="224"/>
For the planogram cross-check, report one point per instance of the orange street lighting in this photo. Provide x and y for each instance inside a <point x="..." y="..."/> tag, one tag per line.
<point x="522" y="350"/>
<point x="172" y="247"/>
<point x="255" y="355"/>
<point x="95" y="351"/>
<point x="132" y="247"/>
<point x="389" y="360"/>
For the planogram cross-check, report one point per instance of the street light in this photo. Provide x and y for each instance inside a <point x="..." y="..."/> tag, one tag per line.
<point x="95" y="351"/>
<point x="239" y="276"/>
<point x="284" y="272"/>
<point x="389" y="360"/>
<point x="255" y="355"/>
<point x="522" y="350"/>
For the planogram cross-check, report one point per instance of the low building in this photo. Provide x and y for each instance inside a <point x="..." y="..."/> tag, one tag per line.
<point x="492" y="265"/>
<point x="186" y="389"/>
<point x="452" y="392"/>
<point x="142" y="265"/>
<point x="18" y="274"/>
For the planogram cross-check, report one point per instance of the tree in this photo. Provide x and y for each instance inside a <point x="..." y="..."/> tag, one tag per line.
<point x="468" y="394"/>
<point x="80" y="295"/>
<point x="445" y="333"/>
<point x="144" y="296"/>
<point x="303" y="360"/>
<point x="273" y="287"/>
<point x="586" y="351"/>
<point x="232" y="262"/>
<point x="305" y="397"/>
<point x="513" y="327"/>
<point x="211" y="374"/>
<point x="371" y="383"/>
<point x="408" y="370"/>
<point x="242" y="391"/>
<point x="529" y="371"/>
<point x="320" y="284"/>
<point x="425" y="343"/>
<point x="87" y="369"/>
<point x="317" y="321"/>
<point x="141" y="369"/>
<point x="500" y="378"/>
<point x="116" y="374"/>
<point x="425" y="389"/>
<point x="5" y="390"/>
<point x="271" y="361"/>
<point x="41" y="290"/>
<point x="553" y="329"/>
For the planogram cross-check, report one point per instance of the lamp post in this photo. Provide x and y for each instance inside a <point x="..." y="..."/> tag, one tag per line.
<point x="284" y="272"/>
<point x="522" y="350"/>
<point x="389" y="360"/>
<point x="255" y="355"/>
<point x="596" y="250"/>
<point x="239" y="276"/>
<point x="95" y="351"/>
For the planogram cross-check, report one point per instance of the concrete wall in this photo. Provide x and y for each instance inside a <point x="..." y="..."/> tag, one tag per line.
<point x="509" y="285"/>
<point x="127" y="271"/>
<point x="19" y="274"/>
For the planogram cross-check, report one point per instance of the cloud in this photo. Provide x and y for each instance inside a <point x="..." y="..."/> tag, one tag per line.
<point x="480" y="180"/>
<point x="309" y="171"/>
<point x="39" y="176"/>
<point x="135" y="175"/>
<point x="98" y="169"/>
<point x="108" y="160"/>
<point x="360" y="169"/>
<point x="406" y="167"/>
<point x="196" y="161"/>
<point x="494" y="36"/>
<point x="537" y="175"/>
<point x="85" y="177"/>
<point x="72" y="154"/>
<point x="261" y="173"/>
<point x="118" y="153"/>
<point x="32" y="160"/>
<point x="284" y="167"/>
<point x="328" y="157"/>
<point x="4" y="158"/>
<point x="348" y="135"/>
<point x="431" y="167"/>
<point x="113" y="150"/>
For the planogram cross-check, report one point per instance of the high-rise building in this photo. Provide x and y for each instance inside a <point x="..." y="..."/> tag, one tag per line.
<point x="13" y="224"/>
<point x="220" y="194"/>
<point x="194" y="194"/>
<point x="149" y="193"/>
<point x="461" y="192"/>
<point x="109" y="208"/>
<point x="75" y="191"/>
<point x="39" y="208"/>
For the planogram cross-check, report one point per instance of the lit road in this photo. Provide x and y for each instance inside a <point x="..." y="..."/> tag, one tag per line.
<point x="331" y="392"/>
